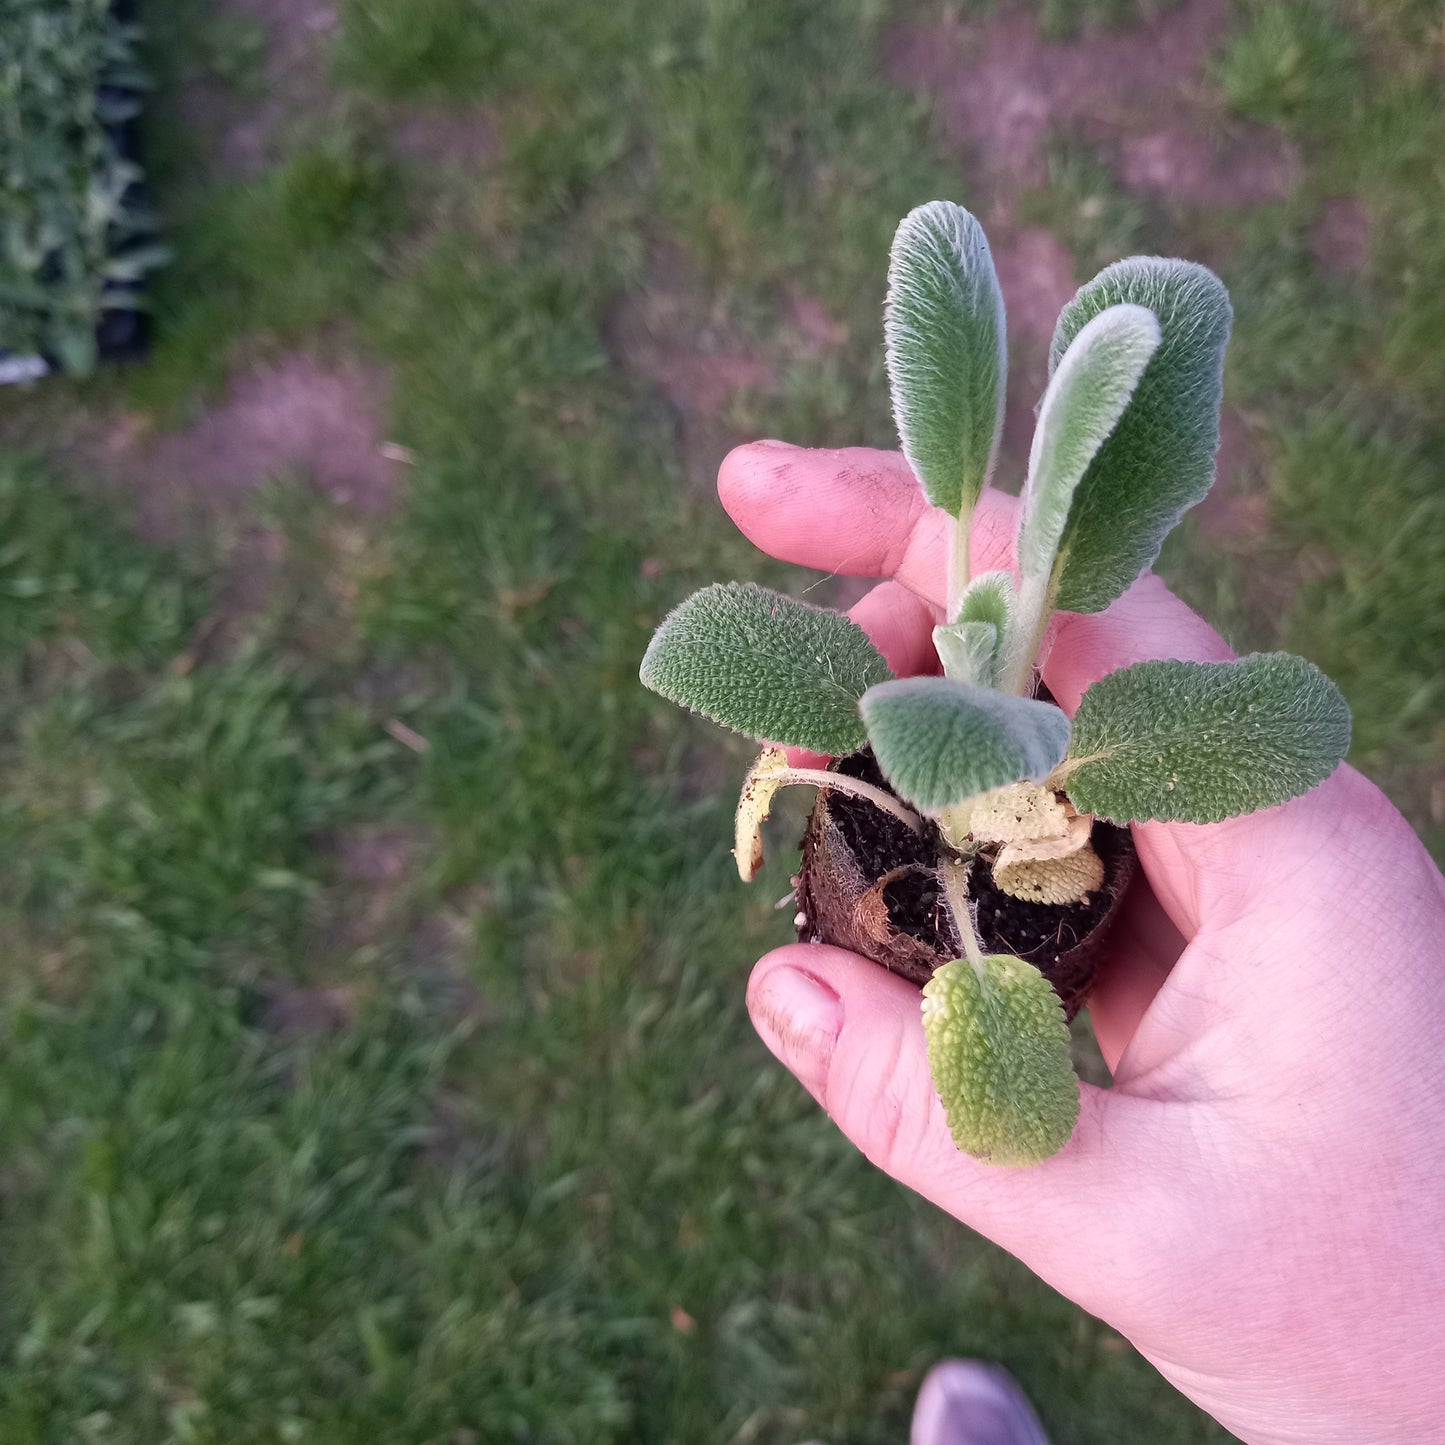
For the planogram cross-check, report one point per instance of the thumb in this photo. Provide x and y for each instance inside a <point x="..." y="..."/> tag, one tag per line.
<point x="852" y="1033"/>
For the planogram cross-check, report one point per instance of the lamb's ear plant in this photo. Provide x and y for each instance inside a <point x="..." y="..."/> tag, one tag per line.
<point x="77" y="236"/>
<point x="988" y="788"/>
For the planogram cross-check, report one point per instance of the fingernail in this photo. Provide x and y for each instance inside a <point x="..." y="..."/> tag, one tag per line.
<point x="777" y="445"/>
<point x="799" y="1017"/>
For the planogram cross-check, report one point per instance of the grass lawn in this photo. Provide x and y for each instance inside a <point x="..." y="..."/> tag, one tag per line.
<point x="375" y="1062"/>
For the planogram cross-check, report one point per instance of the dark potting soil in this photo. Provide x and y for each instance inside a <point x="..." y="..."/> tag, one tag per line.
<point x="1047" y="935"/>
<point x="880" y="842"/>
<point x="1040" y="933"/>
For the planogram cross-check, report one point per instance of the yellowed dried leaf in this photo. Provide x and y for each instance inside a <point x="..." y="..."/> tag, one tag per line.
<point x="1021" y="812"/>
<point x="754" y="803"/>
<point x="1050" y="880"/>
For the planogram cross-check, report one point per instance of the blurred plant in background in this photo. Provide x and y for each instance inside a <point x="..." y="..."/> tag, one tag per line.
<point x="77" y="233"/>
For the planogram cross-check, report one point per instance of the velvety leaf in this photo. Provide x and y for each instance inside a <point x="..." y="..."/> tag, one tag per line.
<point x="946" y="351"/>
<point x="998" y="1048"/>
<point x="1196" y="742"/>
<point x="940" y="741"/>
<point x="989" y="598"/>
<point x="972" y="648"/>
<point x="1159" y="459"/>
<point x="775" y="669"/>
<point x="1086" y="396"/>
<point x="968" y="651"/>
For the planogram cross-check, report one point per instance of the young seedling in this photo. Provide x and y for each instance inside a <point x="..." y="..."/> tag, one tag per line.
<point x="969" y="835"/>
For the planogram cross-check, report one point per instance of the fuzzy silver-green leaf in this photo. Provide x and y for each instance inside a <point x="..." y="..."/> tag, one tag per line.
<point x="1086" y="396"/>
<point x="968" y="651"/>
<point x="940" y="741"/>
<point x="1159" y="459"/>
<point x="1197" y="742"/>
<point x="972" y="649"/>
<point x="946" y="352"/>
<point x="989" y="598"/>
<point x="766" y="665"/>
<point x="998" y="1049"/>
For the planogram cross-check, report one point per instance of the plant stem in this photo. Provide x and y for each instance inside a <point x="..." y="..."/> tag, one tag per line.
<point x="855" y="788"/>
<point x="955" y="894"/>
<point x="1028" y="625"/>
<point x="958" y="564"/>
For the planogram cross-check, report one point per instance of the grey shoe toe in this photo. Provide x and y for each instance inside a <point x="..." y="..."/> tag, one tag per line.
<point x="966" y="1402"/>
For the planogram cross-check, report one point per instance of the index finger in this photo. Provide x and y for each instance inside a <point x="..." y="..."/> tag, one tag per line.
<point x="857" y="512"/>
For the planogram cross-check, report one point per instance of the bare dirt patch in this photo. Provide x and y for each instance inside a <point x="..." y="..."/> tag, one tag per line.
<point x="1340" y="238"/>
<point x="679" y="340"/>
<point x="290" y="1011"/>
<point x="677" y="334"/>
<point x="453" y="137"/>
<point x="1036" y="273"/>
<point x="295" y="421"/>
<point x="291" y="417"/>
<point x="437" y="948"/>
<point x="378" y="855"/>
<point x="1002" y="89"/>
<point x="1139" y="96"/>
<point x="372" y="911"/>
<point x="375" y="870"/>
<point x="700" y="383"/>
<point x="1174" y="163"/>
<point x="1230" y="511"/>
<point x="381" y="684"/>
<point x="242" y="125"/>
<point x="813" y="325"/>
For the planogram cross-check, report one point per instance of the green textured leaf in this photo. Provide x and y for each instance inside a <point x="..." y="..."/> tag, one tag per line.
<point x="939" y="741"/>
<point x="1086" y="396"/>
<point x="968" y="652"/>
<point x="972" y="649"/>
<point x="947" y="352"/>
<point x="1159" y="459"/>
<point x="765" y="665"/>
<point x="998" y="1048"/>
<point x="1196" y="742"/>
<point x="989" y="598"/>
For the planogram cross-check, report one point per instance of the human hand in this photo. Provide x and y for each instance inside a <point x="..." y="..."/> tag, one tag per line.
<point x="1258" y="1203"/>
